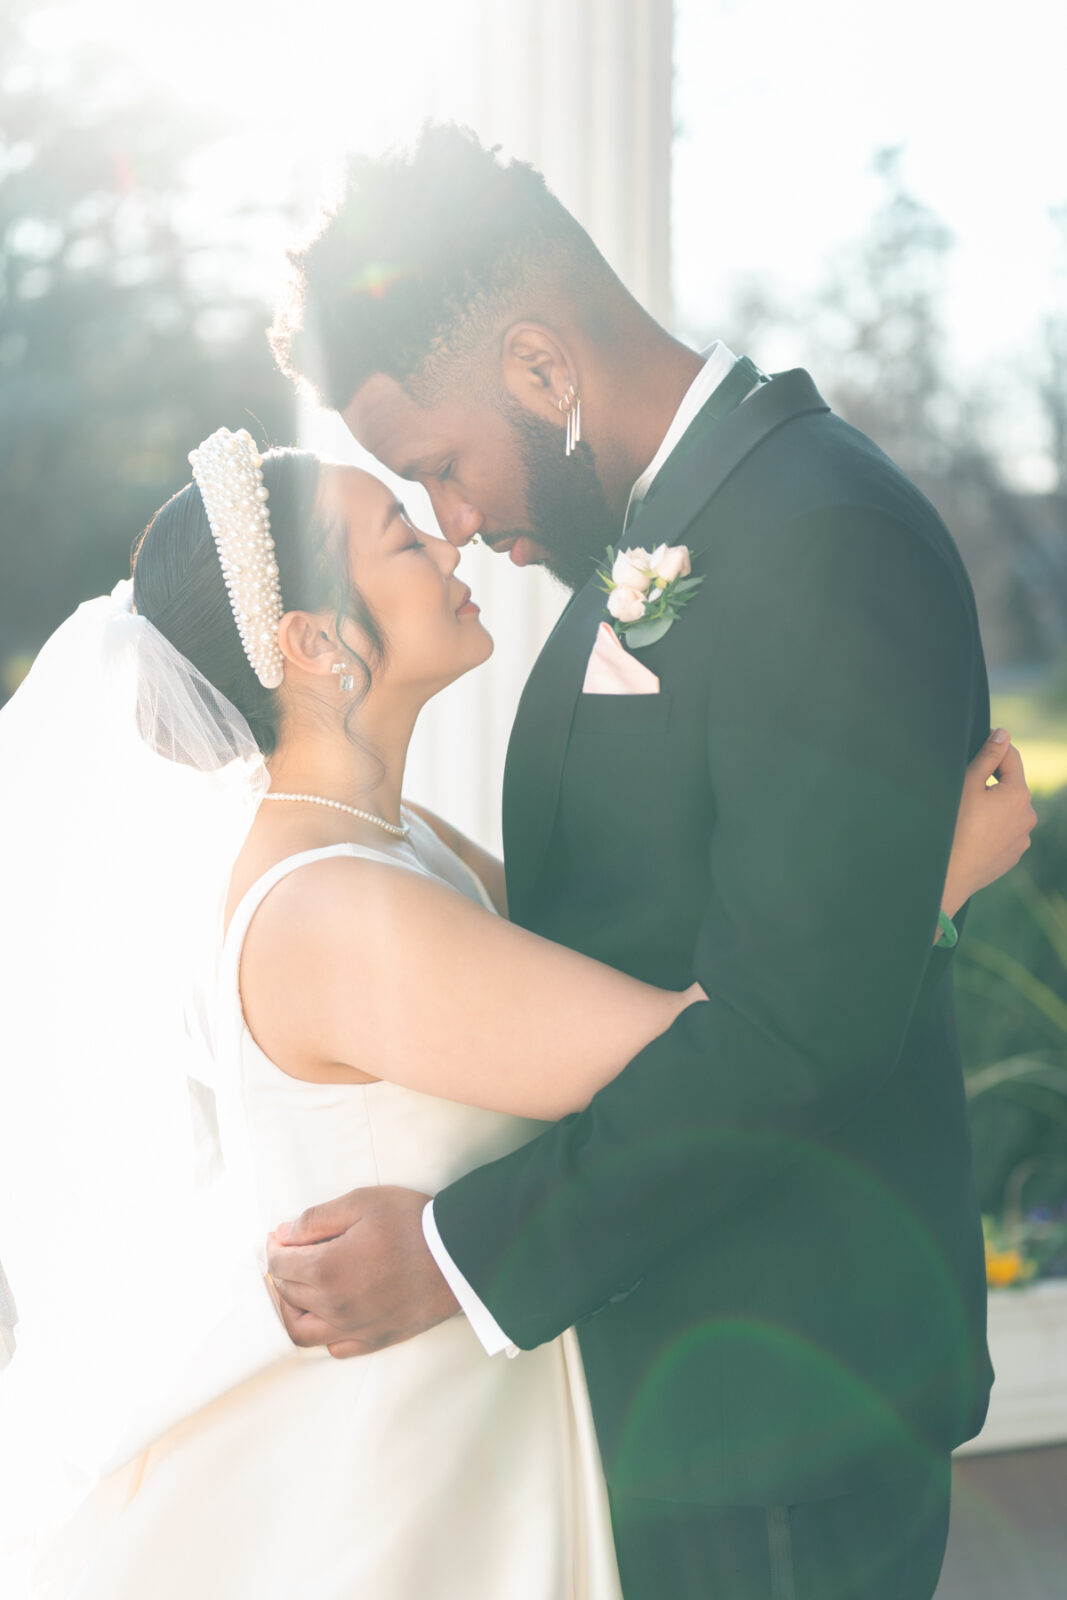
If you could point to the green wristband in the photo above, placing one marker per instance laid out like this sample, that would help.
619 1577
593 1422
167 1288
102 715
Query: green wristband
948 936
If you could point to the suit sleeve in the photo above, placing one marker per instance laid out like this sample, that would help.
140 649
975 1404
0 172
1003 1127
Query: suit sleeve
840 683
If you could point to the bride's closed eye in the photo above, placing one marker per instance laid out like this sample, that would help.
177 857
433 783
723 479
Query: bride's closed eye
414 543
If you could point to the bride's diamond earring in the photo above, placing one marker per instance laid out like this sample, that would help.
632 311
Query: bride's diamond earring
340 669
571 406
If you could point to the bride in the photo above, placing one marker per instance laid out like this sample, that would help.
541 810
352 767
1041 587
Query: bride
362 1013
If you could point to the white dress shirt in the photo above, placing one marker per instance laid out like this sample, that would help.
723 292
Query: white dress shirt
719 361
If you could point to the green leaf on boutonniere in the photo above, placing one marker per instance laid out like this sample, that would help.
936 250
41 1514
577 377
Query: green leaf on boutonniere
640 634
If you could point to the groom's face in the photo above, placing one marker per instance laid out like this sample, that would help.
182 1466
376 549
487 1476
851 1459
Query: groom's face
496 471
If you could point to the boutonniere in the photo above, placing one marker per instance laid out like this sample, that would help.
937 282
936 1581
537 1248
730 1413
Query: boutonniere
646 589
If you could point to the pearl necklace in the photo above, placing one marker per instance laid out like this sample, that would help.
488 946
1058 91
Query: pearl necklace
400 831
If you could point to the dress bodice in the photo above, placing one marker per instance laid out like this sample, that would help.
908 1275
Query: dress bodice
300 1143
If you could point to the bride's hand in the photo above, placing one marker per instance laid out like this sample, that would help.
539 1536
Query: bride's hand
994 823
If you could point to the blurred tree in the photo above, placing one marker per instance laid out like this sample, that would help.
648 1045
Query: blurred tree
1052 391
1053 383
874 337
114 357
878 328
879 325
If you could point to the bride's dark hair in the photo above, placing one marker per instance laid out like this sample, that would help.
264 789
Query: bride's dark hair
178 584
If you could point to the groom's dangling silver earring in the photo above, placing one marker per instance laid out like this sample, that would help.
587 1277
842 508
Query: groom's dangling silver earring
340 669
571 406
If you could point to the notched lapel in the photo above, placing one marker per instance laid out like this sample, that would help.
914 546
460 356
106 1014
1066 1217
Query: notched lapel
687 488
538 743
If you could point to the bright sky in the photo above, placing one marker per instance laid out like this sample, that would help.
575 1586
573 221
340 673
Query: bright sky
301 79
314 72
779 105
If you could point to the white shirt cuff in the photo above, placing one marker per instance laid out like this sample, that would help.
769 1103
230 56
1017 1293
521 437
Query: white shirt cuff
488 1330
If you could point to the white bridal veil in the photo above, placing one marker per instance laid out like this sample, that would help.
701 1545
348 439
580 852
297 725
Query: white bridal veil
127 784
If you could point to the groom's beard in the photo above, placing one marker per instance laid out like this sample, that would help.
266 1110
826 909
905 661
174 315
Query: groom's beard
569 516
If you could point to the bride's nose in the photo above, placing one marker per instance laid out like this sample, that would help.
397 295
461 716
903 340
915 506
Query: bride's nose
446 555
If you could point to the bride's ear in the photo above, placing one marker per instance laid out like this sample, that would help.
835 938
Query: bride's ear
307 643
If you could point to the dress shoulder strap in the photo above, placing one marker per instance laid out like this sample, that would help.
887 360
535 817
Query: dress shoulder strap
254 896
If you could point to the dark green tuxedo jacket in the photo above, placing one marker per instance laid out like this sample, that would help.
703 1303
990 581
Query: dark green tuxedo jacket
766 1228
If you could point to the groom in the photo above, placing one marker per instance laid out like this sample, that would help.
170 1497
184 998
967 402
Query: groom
766 1228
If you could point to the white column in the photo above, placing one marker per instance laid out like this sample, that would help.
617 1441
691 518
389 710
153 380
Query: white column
582 89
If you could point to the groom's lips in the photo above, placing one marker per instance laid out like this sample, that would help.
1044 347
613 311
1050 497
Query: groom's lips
524 552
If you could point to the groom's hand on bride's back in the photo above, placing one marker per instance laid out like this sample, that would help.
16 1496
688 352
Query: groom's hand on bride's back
355 1274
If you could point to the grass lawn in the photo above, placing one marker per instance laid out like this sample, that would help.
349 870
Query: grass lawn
1041 736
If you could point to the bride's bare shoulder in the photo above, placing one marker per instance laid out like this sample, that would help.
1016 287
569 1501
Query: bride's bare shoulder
340 932
305 943
354 898
275 838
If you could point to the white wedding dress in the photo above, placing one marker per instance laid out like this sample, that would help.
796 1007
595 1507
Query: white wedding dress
427 1471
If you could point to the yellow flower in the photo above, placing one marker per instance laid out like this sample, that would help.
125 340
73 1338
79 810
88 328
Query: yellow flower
1003 1267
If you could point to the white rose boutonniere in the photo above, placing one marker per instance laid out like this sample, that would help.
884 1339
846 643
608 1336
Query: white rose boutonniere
646 589
631 569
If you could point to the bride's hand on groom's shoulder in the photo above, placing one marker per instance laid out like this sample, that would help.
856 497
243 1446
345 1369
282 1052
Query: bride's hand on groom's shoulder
355 1274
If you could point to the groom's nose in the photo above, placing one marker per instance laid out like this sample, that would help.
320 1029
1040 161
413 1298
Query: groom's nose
458 521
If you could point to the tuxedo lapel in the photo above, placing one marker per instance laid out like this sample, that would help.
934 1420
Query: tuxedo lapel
705 457
538 743
542 727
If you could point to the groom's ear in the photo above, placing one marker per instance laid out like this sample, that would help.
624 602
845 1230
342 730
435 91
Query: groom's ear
537 368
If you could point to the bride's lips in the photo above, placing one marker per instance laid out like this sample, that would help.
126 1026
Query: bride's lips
467 607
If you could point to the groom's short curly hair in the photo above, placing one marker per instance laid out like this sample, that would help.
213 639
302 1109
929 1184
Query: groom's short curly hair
421 258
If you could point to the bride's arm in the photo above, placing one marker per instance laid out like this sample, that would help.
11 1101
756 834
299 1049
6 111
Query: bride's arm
358 965
375 968
489 868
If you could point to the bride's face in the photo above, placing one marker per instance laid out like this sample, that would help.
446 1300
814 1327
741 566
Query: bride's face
432 629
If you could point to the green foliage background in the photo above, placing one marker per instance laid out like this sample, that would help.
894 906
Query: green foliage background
1013 1013
118 352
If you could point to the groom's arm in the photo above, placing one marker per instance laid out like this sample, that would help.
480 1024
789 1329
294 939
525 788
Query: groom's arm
836 769
493 1339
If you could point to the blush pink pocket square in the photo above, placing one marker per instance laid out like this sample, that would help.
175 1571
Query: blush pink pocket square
611 668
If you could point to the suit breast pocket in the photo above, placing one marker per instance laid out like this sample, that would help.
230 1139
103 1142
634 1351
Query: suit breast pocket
619 715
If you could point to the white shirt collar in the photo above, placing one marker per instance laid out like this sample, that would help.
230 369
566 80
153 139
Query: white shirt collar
719 362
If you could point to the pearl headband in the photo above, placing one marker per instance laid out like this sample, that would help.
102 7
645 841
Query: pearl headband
228 471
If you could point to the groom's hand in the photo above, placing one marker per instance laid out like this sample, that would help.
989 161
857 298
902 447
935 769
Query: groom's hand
355 1274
